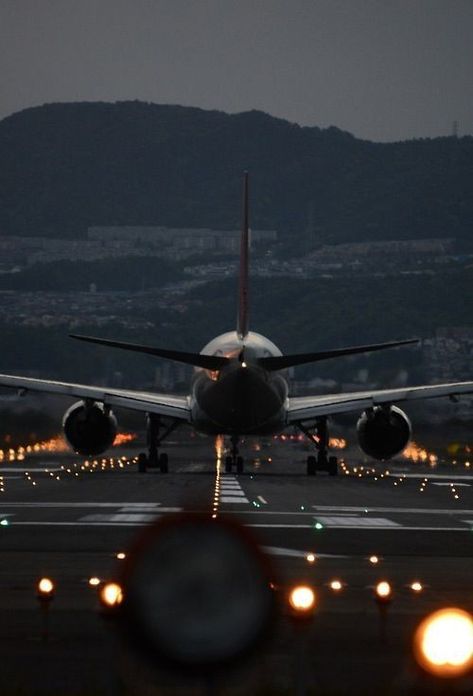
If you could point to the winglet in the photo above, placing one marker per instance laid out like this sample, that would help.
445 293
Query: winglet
242 319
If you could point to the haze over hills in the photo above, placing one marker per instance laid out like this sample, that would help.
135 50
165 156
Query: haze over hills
65 167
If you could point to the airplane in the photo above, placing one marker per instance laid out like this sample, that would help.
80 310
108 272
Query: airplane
239 388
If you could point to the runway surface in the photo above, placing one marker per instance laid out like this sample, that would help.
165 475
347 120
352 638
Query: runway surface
67 518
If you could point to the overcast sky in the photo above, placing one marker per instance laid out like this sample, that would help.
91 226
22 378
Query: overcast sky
381 69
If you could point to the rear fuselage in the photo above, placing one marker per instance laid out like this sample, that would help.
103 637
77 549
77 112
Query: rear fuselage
242 398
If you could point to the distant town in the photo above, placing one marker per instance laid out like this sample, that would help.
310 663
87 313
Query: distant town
446 356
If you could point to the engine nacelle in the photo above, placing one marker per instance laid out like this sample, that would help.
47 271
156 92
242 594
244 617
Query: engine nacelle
89 428
383 432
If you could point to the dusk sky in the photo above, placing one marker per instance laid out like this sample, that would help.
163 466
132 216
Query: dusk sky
382 69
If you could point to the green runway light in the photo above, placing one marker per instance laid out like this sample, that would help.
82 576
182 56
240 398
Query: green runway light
4 523
319 525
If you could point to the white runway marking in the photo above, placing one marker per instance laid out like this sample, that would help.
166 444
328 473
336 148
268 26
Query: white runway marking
432 477
104 519
355 522
295 553
451 483
397 510
262 500
231 491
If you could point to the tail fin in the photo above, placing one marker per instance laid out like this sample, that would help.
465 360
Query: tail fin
242 319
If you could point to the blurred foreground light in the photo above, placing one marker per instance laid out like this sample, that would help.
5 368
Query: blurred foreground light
45 587
302 599
111 595
443 643
94 581
383 590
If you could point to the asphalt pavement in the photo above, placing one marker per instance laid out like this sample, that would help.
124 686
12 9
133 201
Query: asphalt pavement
67 518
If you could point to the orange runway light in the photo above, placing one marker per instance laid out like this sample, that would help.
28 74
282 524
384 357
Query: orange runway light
443 643
45 588
416 586
383 591
302 600
110 595
336 585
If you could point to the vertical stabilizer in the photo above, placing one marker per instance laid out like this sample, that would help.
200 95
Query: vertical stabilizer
242 319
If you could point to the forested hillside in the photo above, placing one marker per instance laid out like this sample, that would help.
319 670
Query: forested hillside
64 167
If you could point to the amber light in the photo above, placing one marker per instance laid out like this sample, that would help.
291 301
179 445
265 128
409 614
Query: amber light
443 643
45 587
302 599
111 595
383 591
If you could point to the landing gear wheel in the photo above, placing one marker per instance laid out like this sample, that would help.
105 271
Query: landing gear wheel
332 466
142 462
228 465
311 465
239 465
163 463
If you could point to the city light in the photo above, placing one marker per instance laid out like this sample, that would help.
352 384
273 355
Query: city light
443 643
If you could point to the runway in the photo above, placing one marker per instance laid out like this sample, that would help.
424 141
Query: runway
67 518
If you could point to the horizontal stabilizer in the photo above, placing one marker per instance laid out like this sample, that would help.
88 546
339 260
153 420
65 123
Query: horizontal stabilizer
283 361
208 362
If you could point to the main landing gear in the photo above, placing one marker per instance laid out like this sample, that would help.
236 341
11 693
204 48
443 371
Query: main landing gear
320 462
154 459
234 460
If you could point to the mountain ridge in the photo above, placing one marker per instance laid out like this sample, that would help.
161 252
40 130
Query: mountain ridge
67 166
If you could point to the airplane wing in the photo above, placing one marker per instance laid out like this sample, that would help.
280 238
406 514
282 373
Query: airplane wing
304 408
162 404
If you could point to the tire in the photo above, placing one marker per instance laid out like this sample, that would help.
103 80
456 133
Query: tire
311 465
239 465
332 466
163 463
142 462
228 465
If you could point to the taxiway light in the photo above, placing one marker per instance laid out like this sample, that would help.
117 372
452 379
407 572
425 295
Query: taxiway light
45 587
111 595
443 643
302 599
94 581
383 590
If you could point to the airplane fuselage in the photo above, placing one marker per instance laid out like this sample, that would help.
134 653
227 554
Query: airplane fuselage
242 398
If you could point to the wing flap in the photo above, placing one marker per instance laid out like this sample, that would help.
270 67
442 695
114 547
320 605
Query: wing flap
149 402
308 407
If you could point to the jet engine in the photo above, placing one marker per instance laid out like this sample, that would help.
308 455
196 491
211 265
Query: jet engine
383 431
89 428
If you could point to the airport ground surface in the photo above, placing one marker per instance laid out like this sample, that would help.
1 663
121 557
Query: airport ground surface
66 520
